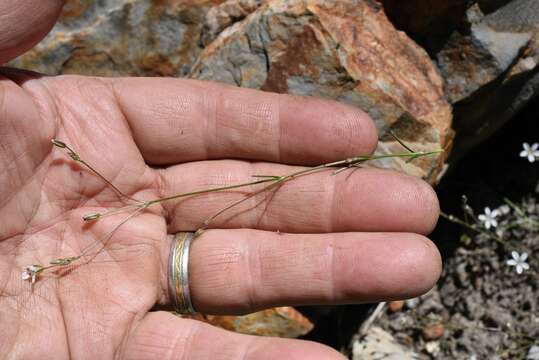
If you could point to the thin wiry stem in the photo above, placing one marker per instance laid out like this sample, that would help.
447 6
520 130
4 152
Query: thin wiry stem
273 181
103 240
475 228
76 157
207 191
110 233
273 178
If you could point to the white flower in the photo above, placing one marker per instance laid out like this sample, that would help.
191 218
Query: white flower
432 347
533 353
489 218
519 261
530 152
31 272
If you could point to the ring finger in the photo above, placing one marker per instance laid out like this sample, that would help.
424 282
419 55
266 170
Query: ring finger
240 271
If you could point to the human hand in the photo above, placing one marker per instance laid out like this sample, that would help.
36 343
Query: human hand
347 238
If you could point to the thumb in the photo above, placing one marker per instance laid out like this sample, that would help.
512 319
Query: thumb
24 23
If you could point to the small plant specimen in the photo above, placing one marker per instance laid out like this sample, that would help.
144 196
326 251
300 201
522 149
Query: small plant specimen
134 207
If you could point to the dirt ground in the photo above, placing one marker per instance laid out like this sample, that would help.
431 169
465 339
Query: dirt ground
482 308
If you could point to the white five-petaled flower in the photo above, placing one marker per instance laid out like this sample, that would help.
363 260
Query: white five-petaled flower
30 273
530 151
518 261
489 218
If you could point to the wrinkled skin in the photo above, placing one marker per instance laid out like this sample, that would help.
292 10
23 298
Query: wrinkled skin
354 237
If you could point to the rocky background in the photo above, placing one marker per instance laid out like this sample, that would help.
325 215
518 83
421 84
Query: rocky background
424 69
416 66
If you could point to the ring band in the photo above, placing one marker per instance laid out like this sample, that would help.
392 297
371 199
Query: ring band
178 277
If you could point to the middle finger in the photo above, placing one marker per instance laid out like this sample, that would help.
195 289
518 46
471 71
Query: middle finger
358 200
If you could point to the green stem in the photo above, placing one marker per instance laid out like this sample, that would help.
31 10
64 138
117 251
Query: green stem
75 156
200 192
272 179
458 221
279 179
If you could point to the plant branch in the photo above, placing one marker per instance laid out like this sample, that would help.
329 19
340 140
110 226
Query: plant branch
475 228
75 156
272 181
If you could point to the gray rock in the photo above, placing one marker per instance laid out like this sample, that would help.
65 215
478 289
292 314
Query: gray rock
330 50
121 38
303 47
491 69
379 344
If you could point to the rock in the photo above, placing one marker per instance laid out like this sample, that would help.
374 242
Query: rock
395 306
283 322
412 303
122 38
132 37
379 344
354 55
347 51
492 47
491 68
432 347
226 14
433 331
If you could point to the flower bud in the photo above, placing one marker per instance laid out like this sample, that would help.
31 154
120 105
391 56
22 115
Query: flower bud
91 216
59 143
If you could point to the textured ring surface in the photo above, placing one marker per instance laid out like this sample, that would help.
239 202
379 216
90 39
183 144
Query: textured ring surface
178 276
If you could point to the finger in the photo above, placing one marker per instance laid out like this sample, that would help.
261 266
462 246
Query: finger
241 271
360 200
24 23
24 143
183 120
161 335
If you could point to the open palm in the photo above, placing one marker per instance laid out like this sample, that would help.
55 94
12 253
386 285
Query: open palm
340 239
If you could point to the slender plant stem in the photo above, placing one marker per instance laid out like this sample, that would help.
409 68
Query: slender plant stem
103 240
279 179
272 181
206 191
76 157
458 221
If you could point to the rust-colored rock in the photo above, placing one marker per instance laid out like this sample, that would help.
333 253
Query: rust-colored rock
121 38
347 51
280 322
132 37
395 306
343 50
226 14
433 331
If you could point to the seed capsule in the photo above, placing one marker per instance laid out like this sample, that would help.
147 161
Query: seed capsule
59 143
91 216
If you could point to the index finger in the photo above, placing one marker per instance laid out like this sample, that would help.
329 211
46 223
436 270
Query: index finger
176 120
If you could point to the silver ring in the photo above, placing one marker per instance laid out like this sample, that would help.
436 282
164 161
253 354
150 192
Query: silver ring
178 277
